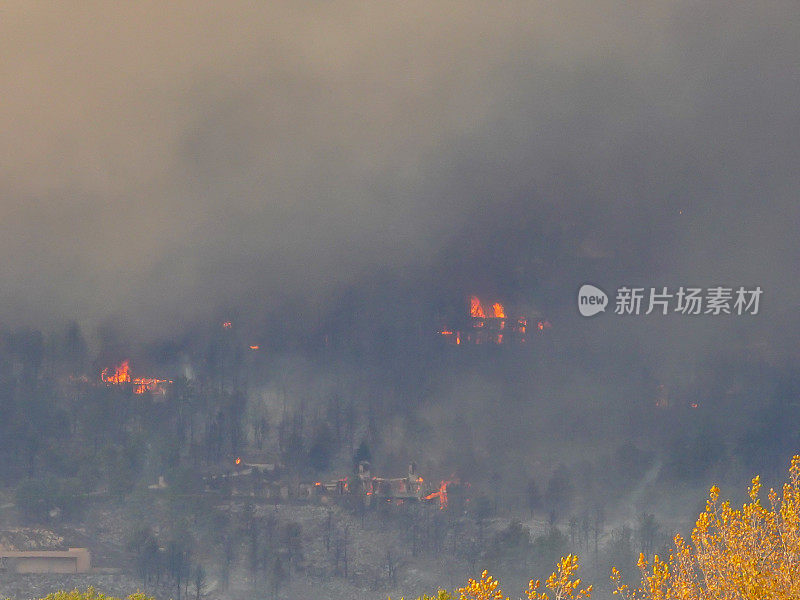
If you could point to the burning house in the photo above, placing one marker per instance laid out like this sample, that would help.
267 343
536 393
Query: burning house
399 489
488 324
121 375
396 490
268 481
445 492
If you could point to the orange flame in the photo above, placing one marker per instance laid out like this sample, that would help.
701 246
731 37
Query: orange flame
121 374
254 347
499 311
491 324
475 308
441 494
238 460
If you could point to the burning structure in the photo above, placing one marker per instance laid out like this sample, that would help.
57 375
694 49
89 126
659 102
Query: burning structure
121 375
397 490
445 488
488 324
269 482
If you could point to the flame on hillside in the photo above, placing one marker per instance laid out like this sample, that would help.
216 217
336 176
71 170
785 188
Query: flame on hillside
499 311
121 374
475 307
441 493
492 326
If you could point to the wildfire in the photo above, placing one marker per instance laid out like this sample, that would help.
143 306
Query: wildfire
489 323
238 460
441 493
499 311
256 347
475 307
122 375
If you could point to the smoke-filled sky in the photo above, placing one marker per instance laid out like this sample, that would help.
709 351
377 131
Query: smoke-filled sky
159 162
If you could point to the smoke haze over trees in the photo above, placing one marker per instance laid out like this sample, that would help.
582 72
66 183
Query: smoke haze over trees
278 208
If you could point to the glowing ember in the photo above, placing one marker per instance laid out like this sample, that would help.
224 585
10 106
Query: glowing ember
238 460
148 384
254 347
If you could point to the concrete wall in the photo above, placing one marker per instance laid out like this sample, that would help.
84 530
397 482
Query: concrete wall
74 560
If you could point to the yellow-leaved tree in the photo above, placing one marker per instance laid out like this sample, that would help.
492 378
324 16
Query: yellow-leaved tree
561 584
92 594
752 553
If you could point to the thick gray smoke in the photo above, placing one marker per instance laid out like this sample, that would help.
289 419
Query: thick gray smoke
162 162
334 179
